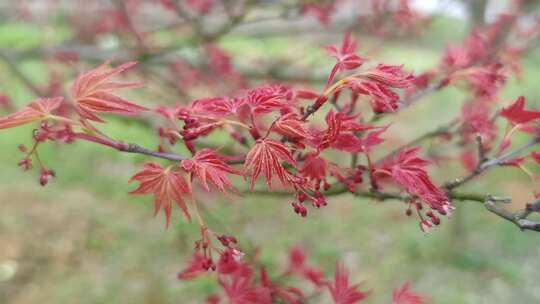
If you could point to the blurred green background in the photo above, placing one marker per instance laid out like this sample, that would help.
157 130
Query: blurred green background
82 239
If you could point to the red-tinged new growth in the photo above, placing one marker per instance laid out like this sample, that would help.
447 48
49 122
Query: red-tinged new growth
265 157
519 118
516 113
167 185
208 166
38 110
404 295
408 170
92 93
341 291
291 126
346 56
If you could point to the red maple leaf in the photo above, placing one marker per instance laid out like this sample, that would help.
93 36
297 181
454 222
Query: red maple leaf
290 125
216 106
390 75
265 157
268 98
196 266
404 295
167 185
383 98
516 113
37 110
340 290
298 265
408 170
210 167
240 290
92 93
345 56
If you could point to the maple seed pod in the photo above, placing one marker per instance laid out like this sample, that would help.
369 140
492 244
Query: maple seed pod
25 164
22 148
223 240
45 176
426 226
408 212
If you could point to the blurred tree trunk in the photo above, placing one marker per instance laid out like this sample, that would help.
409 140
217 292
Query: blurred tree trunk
477 11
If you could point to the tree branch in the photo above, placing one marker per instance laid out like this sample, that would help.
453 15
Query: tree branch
484 165
518 218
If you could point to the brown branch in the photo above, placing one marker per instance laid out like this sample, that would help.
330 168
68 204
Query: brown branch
137 149
518 218
485 164
378 195
129 147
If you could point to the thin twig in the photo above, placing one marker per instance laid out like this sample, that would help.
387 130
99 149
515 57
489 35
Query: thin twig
487 164
518 218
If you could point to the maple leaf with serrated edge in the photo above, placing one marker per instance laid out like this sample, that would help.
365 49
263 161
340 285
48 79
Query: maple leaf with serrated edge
516 113
240 290
195 267
404 295
390 75
408 170
167 185
265 157
340 290
290 125
268 98
208 166
216 106
37 110
92 93
345 56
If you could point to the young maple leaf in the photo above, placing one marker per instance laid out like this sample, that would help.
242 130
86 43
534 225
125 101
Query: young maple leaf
240 290
196 266
345 56
268 98
92 93
390 75
216 106
407 169
37 110
167 185
383 98
404 295
210 167
516 113
265 157
290 125
340 290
